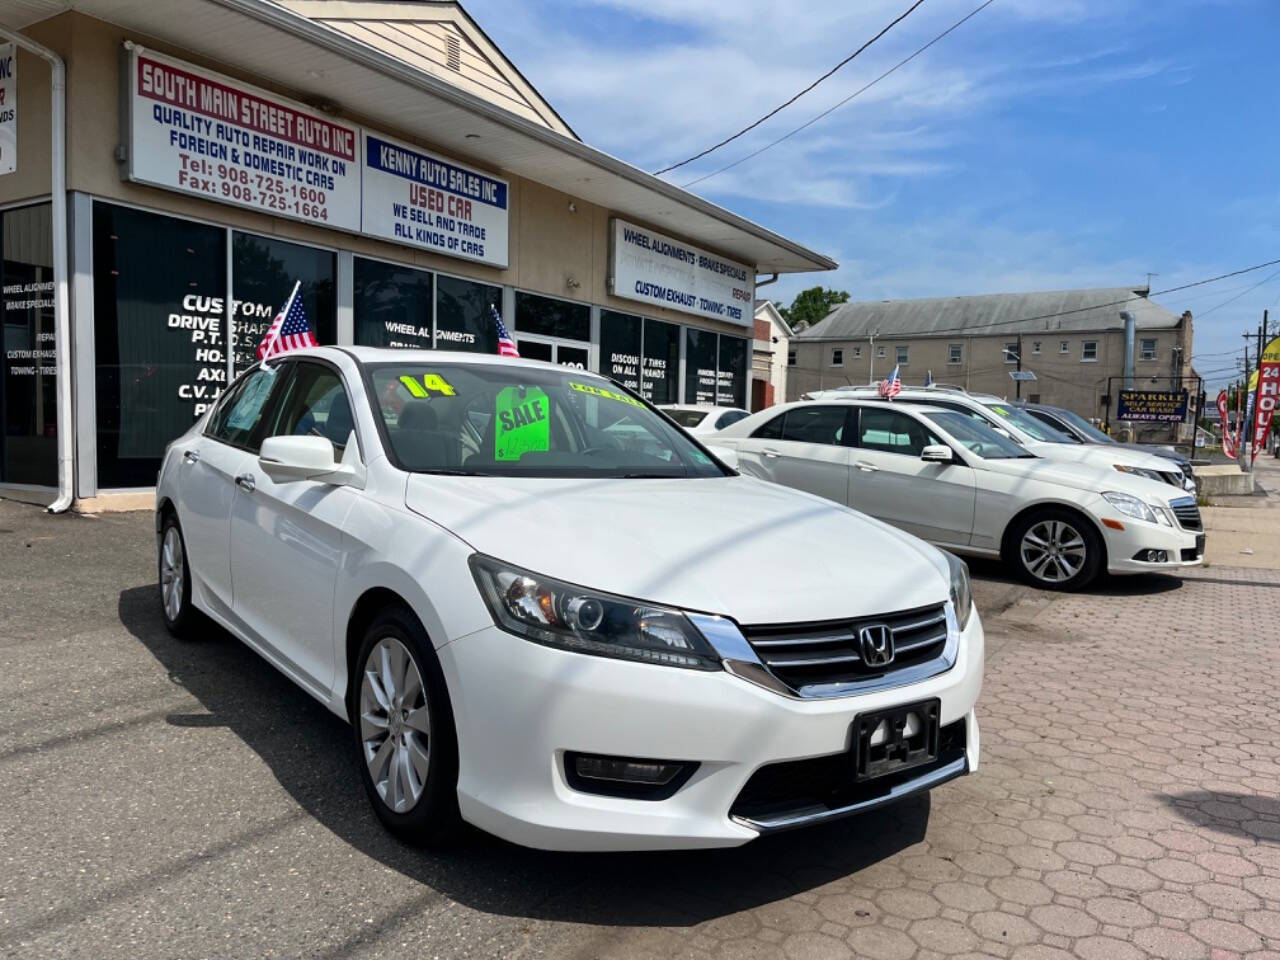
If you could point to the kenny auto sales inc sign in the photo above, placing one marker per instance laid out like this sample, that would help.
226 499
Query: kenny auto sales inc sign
204 134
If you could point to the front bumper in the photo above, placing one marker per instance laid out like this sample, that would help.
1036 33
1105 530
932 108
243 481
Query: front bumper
519 707
1184 548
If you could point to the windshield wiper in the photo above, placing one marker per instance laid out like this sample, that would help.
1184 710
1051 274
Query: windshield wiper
445 472
654 476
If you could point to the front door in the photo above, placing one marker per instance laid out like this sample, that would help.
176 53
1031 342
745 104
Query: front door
935 501
566 353
286 538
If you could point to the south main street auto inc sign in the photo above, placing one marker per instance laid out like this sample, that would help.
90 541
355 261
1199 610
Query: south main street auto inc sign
653 268
203 134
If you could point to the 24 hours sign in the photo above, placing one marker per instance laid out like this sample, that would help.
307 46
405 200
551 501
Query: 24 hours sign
203 134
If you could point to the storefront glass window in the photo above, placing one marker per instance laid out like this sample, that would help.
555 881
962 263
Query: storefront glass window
700 357
159 337
464 315
392 305
661 370
28 384
731 377
620 347
263 272
552 318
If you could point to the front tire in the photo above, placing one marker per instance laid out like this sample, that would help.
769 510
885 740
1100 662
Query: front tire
175 579
402 719
1056 550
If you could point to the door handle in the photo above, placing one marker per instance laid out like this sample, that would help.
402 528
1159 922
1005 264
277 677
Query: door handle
771 453
190 456
246 482
865 467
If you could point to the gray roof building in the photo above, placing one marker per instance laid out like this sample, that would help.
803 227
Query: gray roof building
994 314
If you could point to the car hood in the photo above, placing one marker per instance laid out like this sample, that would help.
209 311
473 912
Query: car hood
1105 455
734 546
1086 477
1156 451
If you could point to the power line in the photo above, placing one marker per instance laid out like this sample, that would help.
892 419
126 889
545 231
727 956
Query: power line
1233 299
857 93
1113 303
782 106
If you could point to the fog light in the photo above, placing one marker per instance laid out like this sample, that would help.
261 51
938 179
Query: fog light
1152 556
626 776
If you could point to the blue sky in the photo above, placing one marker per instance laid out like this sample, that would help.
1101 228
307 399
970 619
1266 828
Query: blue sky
1045 144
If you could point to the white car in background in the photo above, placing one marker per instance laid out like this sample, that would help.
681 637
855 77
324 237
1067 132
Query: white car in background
537 624
952 480
1028 431
699 418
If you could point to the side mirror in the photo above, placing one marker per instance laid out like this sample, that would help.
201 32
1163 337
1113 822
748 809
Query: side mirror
286 459
937 453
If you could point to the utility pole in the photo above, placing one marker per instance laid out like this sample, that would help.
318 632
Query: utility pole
1257 393
1018 380
1242 404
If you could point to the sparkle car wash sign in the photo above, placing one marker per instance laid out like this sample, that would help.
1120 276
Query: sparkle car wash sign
417 198
1155 406
653 268
203 134
8 108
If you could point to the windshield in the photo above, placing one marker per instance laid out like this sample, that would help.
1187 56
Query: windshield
514 421
686 418
1084 426
976 436
1033 428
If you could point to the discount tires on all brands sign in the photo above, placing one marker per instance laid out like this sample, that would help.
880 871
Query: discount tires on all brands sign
203 134
653 268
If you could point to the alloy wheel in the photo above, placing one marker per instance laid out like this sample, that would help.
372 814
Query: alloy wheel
1053 551
395 727
173 573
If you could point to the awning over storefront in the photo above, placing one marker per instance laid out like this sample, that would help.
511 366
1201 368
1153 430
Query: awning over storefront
314 59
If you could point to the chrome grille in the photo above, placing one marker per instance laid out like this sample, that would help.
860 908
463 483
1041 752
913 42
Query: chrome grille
1187 512
806 654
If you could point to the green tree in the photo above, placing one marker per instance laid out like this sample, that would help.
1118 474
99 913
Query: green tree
812 305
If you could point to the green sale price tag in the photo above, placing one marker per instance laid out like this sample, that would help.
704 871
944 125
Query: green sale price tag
523 423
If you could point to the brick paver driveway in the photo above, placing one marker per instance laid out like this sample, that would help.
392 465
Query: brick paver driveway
181 800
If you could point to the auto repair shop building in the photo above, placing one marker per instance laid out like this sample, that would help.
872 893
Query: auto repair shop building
385 156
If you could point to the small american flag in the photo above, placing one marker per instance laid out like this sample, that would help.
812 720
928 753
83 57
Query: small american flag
506 346
290 330
891 385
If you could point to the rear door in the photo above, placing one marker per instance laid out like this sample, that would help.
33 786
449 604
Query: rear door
286 538
888 480
804 448
209 466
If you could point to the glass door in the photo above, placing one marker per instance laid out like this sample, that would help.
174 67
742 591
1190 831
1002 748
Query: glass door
567 353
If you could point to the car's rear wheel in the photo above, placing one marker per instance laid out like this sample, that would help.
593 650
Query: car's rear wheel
174 577
404 732
1057 550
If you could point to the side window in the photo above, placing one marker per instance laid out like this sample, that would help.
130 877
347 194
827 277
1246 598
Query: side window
893 432
815 425
238 417
771 430
315 405
730 418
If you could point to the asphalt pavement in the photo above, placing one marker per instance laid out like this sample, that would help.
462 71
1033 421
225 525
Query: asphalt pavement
181 799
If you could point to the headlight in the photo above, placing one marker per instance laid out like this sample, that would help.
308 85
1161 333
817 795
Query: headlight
574 618
961 591
1130 506
1140 472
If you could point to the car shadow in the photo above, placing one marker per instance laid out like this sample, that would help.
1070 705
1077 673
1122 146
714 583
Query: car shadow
1136 585
309 752
1253 817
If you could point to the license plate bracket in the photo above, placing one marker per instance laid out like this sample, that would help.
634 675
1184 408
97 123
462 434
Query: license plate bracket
905 736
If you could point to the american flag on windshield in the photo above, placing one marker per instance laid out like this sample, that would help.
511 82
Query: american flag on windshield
891 385
506 346
290 330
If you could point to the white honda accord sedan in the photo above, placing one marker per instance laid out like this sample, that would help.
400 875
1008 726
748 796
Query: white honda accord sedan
537 624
